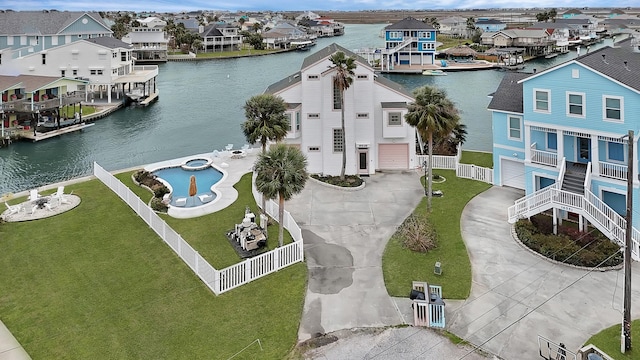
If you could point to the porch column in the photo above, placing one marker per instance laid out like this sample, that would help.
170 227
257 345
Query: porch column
560 146
555 221
527 143
595 155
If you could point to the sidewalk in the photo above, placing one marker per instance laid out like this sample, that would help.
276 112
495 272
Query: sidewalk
10 348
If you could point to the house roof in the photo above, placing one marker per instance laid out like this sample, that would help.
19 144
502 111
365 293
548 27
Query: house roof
328 51
9 82
42 22
393 85
574 21
620 63
548 25
572 11
30 83
489 22
283 84
508 96
523 33
109 42
409 23
460 50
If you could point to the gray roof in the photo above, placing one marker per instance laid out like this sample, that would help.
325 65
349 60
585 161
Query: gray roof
574 21
409 23
283 84
508 96
393 85
328 51
110 42
41 22
549 25
620 63
572 11
488 22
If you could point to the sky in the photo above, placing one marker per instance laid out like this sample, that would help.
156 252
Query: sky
298 5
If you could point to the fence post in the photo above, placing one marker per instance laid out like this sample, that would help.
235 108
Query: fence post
247 270
216 281
276 259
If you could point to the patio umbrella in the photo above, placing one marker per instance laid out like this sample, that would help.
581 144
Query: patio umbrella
193 189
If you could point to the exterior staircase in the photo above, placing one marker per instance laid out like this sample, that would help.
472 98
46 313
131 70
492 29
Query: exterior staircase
574 180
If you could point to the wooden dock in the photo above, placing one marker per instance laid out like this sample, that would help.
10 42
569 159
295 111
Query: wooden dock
39 136
149 99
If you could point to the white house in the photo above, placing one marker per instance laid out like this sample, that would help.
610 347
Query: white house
377 136
106 62
149 40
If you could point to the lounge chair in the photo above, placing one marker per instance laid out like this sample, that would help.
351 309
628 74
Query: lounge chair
13 209
33 195
181 201
229 147
205 197
216 153
245 147
60 196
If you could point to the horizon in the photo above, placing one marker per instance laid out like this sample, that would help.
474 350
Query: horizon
162 6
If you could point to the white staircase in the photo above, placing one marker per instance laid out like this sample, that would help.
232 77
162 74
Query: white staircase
401 46
599 214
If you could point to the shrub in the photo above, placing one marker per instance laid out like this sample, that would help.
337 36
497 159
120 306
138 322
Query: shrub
158 205
570 246
349 180
159 190
418 235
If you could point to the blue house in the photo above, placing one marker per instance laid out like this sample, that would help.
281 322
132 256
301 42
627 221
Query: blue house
409 42
490 25
559 135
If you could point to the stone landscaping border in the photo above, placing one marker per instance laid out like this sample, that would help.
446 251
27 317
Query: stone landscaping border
336 187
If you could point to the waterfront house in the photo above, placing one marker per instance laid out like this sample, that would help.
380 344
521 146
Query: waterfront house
559 135
490 25
409 42
582 28
281 36
220 37
149 40
571 13
534 41
377 136
105 62
453 25
558 33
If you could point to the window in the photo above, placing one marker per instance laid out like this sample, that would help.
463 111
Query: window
575 104
338 141
288 115
123 56
395 119
362 115
44 59
79 36
102 56
541 100
75 72
63 73
0 59
515 128
297 121
313 148
362 77
337 104
395 34
114 55
96 72
615 151
313 116
575 73
612 108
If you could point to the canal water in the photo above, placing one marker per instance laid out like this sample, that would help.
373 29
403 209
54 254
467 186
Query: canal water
200 110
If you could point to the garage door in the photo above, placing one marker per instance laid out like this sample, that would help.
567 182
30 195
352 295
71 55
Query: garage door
512 174
393 156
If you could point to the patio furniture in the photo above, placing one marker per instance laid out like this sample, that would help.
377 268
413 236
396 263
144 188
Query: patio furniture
59 195
229 147
13 209
33 195
205 197
181 201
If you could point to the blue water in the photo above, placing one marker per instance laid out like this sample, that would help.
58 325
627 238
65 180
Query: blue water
179 179
200 110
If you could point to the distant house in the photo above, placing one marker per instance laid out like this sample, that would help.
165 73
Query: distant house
582 27
453 25
220 37
281 35
534 41
149 40
560 33
490 25
377 136
563 130
322 27
571 13
409 42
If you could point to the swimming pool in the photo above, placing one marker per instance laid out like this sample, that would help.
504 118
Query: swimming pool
177 180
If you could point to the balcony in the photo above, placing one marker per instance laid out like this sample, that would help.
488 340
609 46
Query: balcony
612 171
25 105
544 157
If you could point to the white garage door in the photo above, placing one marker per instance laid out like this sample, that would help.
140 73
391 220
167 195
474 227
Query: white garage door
393 156
512 174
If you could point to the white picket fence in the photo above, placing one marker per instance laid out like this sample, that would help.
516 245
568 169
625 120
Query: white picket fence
466 171
219 281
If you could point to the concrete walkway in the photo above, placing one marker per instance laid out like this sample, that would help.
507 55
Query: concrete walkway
10 348
517 295
345 235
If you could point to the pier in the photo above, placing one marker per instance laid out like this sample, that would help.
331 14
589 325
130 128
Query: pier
39 136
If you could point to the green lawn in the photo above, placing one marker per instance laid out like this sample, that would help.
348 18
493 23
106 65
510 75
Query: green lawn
483 159
401 266
96 282
450 41
608 340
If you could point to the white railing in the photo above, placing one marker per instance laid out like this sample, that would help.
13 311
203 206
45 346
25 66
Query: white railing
469 171
563 170
587 179
219 281
544 157
590 206
614 171
439 161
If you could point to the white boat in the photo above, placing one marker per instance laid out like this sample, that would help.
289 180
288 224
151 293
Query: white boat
434 72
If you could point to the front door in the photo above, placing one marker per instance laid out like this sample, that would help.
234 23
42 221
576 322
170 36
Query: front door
363 162
584 150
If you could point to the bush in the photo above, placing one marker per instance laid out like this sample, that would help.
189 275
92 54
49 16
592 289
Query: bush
158 188
417 235
158 205
570 246
349 180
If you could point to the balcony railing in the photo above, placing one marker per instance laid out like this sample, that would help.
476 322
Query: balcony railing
544 157
25 105
613 171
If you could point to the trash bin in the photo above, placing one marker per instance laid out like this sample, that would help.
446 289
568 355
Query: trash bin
416 295
435 299
594 356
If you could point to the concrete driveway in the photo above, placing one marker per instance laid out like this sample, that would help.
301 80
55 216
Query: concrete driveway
345 235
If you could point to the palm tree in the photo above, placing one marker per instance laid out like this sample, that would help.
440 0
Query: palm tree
281 173
265 121
342 80
432 114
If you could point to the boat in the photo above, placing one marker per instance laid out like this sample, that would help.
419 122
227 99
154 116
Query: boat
434 72
551 56
49 123
303 48
511 67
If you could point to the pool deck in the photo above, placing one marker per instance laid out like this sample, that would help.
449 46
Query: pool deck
233 168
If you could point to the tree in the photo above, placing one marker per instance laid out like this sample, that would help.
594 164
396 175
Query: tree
265 121
433 21
432 114
342 80
471 26
543 16
553 13
281 173
448 145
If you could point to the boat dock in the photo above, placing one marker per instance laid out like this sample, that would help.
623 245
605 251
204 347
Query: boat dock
39 136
